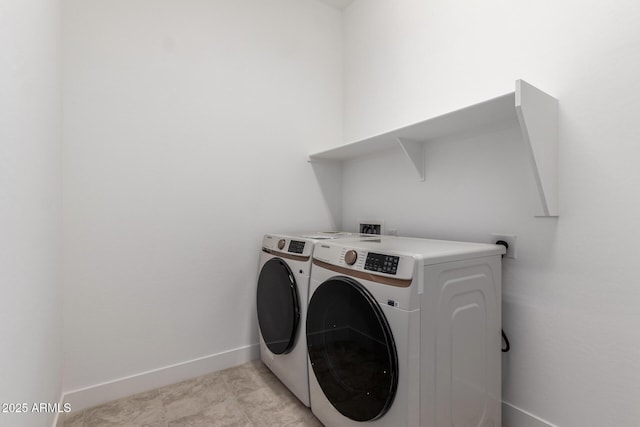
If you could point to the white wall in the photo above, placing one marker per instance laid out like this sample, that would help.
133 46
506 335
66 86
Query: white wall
187 128
571 297
30 202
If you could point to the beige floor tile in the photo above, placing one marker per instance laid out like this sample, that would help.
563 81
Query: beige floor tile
143 409
265 407
244 396
73 420
260 367
311 421
246 378
193 396
227 413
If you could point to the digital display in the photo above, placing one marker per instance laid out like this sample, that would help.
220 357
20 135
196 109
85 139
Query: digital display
296 246
382 263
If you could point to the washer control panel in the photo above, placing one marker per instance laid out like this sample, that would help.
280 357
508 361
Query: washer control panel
381 263
385 262
286 245
296 246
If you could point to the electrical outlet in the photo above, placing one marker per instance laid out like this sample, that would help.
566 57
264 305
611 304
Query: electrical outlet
510 239
370 227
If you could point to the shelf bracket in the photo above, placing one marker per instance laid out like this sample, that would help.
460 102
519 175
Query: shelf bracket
538 117
415 153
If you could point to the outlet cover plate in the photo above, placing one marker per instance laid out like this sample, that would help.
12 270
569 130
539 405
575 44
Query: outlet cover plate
373 226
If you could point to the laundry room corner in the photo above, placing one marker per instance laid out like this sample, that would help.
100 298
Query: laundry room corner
187 125
385 213
31 354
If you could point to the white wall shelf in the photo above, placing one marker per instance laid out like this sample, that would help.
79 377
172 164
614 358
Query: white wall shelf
534 111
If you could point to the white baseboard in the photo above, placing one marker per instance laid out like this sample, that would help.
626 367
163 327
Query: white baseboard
512 416
84 398
101 393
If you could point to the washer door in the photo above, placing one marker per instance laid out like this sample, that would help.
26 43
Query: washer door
278 306
351 349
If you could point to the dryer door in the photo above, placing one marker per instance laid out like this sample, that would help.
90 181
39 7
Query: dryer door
278 306
351 349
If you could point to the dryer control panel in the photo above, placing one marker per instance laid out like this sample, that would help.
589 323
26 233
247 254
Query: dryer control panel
285 245
381 263
296 246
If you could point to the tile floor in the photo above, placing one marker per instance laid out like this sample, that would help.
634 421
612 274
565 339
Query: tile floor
248 395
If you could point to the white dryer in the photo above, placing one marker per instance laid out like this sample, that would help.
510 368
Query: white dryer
405 332
282 296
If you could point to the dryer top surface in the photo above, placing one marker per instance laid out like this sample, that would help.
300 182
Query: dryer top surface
428 250
316 236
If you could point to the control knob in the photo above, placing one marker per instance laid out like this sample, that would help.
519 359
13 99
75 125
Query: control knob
281 243
350 257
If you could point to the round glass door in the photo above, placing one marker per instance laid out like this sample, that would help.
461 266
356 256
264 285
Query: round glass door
278 306
351 349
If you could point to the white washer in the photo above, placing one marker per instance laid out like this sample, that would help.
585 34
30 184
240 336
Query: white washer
282 296
405 332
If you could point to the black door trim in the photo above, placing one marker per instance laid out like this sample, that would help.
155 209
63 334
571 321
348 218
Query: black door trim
278 306
351 348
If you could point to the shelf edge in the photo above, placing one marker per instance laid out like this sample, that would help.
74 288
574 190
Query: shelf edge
415 153
388 140
537 114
